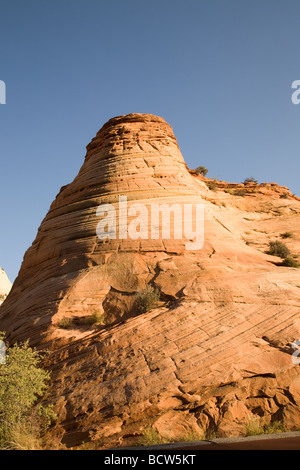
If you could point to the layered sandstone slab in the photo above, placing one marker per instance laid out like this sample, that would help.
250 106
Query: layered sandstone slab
216 351
69 271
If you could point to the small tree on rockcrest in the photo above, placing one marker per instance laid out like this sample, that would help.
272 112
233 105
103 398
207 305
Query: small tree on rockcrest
250 180
201 170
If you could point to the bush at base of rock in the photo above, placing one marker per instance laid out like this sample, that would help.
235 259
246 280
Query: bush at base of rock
146 300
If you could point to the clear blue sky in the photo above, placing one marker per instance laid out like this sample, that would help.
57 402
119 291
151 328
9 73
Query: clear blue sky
219 71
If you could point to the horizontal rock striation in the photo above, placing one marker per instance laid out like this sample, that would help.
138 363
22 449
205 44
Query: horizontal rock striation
69 271
216 350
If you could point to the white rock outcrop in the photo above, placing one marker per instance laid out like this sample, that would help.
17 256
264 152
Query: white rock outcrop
5 285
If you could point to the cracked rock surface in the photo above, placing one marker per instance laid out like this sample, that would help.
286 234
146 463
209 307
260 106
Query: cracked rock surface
216 350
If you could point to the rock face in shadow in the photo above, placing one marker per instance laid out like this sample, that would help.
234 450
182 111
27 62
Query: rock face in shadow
214 353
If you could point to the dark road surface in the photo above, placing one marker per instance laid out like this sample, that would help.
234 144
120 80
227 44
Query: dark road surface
253 443
282 441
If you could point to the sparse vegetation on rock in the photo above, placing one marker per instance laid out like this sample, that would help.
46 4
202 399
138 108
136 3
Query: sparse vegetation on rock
277 248
65 323
240 192
254 427
290 262
250 180
146 299
229 191
201 170
212 185
151 437
95 318
287 235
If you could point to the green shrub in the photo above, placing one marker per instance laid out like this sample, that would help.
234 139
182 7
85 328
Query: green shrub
191 437
201 170
287 235
250 180
210 434
277 248
290 262
151 437
239 192
146 299
229 191
95 319
212 185
65 322
275 427
253 426
22 382
284 196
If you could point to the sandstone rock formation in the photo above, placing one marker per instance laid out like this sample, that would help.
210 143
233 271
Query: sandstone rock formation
215 352
5 285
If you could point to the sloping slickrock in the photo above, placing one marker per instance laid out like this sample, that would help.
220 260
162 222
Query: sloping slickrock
215 352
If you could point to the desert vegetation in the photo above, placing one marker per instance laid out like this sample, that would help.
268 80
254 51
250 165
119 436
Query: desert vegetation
277 248
146 300
250 180
23 382
239 192
212 185
229 191
65 323
235 192
287 235
201 170
254 427
150 436
95 318
290 262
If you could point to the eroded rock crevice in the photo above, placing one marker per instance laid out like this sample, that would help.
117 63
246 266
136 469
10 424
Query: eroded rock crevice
214 352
